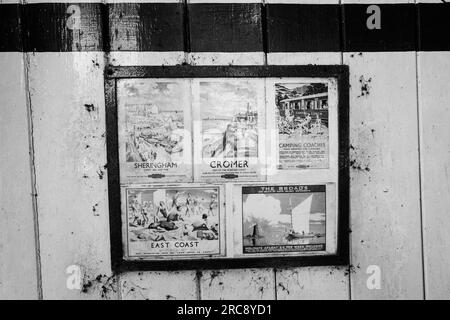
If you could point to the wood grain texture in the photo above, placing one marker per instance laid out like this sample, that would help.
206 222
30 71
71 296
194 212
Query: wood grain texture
48 27
225 27
146 26
303 27
238 284
395 34
67 100
154 58
175 285
385 208
10 31
18 271
302 57
433 21
134 31
70 159
225 58
434 112
313 283
310 283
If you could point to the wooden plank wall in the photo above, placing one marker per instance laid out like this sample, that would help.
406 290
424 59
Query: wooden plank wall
291 40
385 189
18 265
66 96
434 118
52 103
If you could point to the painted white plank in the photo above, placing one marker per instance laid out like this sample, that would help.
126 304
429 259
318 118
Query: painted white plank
313 283
18 272
154 285
67 101
237 284
174 285
318 282
434 113
385 208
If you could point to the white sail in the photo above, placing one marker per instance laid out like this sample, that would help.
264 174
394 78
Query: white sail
300 216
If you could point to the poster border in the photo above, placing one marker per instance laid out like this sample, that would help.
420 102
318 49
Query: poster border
340 72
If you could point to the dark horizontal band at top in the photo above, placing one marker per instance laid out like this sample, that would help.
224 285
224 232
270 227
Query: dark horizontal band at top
223 27
185 71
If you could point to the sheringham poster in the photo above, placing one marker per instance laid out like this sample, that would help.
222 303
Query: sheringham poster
154 125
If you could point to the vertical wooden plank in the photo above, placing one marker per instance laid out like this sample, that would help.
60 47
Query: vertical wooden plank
315 282
150 32
237 284
10 33
225 27
157 32
385 207
67 103
155 26
303 32
434 119
134 39
18 272
66 94
62 27
223 32
435 166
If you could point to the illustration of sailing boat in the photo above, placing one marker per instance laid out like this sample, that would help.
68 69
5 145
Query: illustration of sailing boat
300 220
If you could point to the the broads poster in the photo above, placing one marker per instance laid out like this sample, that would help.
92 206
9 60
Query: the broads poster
154 123
301 122
283 218
229 129
174 221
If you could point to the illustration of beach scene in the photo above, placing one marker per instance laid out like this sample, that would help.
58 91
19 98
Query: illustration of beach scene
154 122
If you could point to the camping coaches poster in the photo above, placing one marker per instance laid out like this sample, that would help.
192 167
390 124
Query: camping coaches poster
176 221
283 218
302 126
154 125
229 130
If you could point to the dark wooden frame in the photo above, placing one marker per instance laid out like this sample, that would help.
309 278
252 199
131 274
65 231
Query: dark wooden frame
340 72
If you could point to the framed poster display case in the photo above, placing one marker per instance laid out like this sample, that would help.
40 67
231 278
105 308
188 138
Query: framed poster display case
227 167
